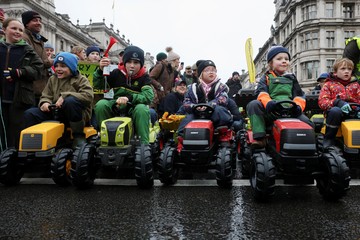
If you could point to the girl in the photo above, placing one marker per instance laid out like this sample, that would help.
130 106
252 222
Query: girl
275 85
19 67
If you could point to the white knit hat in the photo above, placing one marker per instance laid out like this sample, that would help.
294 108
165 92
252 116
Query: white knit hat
171 54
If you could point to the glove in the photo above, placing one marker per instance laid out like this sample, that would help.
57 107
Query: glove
346 108
297 111
11 74
270 106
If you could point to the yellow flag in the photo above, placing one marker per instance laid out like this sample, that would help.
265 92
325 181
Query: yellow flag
249 60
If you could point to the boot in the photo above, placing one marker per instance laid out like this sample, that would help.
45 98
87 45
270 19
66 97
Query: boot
329 137
78 133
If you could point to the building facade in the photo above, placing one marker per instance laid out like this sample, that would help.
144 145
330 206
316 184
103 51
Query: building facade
314 31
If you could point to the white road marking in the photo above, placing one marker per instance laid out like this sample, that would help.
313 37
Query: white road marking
179 183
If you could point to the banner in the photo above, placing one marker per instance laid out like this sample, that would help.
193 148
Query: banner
249 60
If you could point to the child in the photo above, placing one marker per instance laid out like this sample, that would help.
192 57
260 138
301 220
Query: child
19 67
275 85
93 54
336 94
72 94
130 84
209 90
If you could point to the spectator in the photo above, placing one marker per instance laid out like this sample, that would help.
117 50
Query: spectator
174 100
131 84
93 54
121 54
352 52
321 81
19 67
188 76
50 50
194 73
33 25
70 92
79 52
234 85
275 85
336 94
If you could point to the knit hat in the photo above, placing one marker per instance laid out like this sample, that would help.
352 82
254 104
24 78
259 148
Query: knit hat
161 56
135 53
69 59
275 50
322 76
171 54
178 82
235 73
202 64
91 49
28 16
49 45
194 67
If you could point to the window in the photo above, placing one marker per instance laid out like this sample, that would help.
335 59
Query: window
329 65
309 12
348 10
349 34
311 41
329 9
311 69
330 38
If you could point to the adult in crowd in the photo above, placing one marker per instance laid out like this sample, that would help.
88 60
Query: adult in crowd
79 52
188 76
321 81
194 73
234 85
20 65
174 100
33 26
352 52
93 54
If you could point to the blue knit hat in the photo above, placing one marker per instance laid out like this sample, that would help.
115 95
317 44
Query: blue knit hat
69 59
91 49
275 50
135 53
322 76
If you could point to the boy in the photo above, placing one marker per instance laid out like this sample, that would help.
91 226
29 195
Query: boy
338 91
70 92
130 83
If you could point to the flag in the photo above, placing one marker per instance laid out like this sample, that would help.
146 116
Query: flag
249 60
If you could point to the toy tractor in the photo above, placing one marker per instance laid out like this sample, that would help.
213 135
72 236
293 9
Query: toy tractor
46 145
203 148
292 154
118 148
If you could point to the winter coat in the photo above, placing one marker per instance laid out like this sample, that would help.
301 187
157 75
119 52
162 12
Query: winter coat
171 103
285 87
19 56
333 93
195 95
352 51
76 86
162 75
234 87
136 88
38 45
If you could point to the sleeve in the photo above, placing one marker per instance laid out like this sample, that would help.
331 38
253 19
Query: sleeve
262 91
32 66
155 75
189 99
48 93
145 96
98 80
325 101
298 93
221 96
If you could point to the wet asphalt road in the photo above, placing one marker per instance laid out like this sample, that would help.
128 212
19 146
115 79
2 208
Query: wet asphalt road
192 210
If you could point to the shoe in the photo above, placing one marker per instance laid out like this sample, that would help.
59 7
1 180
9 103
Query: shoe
259 143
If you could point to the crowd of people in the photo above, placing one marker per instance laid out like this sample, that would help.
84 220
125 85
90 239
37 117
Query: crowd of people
34 77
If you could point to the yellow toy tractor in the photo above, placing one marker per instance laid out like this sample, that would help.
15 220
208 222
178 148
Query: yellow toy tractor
46 145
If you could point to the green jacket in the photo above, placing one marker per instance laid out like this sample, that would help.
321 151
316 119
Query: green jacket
137 88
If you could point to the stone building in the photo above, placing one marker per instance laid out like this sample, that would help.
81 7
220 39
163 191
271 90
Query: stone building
63 34
314 31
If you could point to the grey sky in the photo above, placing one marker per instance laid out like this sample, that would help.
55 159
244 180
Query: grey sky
196 29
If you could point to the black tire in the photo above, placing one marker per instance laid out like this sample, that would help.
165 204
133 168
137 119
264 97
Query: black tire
262 176
224 169
60 167
334 184
83 166
144 172
10 171
168 172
